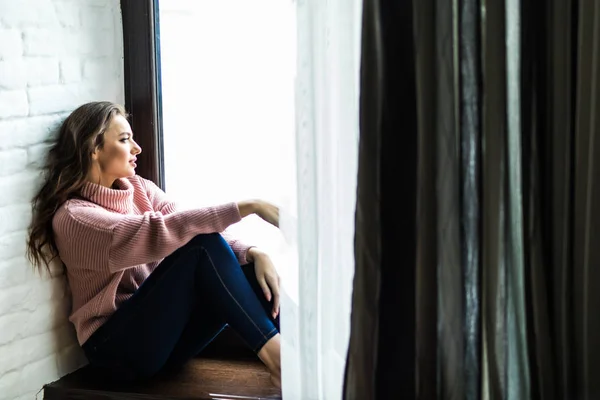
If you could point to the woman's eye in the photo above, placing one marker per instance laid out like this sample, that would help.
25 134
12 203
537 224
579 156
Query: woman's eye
125 140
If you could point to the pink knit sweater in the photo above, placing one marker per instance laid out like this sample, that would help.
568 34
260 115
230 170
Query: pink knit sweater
111 239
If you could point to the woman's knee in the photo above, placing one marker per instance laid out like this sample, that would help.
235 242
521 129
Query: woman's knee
208 239
214 244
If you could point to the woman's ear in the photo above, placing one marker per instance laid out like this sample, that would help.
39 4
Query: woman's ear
95 153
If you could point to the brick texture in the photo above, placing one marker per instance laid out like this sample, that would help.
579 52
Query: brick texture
54 56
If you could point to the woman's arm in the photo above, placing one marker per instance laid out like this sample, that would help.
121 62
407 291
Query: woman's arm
130 240
161 202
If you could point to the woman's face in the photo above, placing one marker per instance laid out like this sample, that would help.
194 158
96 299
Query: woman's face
117 157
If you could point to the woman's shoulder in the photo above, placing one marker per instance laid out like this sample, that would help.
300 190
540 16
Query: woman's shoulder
82 213
74 206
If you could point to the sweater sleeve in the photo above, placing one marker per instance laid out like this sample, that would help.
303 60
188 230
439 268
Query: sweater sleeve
161 202
141 239
240 249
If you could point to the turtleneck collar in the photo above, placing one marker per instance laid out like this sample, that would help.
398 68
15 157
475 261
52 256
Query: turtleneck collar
119 200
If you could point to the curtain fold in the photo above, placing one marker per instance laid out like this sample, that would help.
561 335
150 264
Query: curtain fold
399 135
451 346
563 181
517 368
557 171
586 274
469 128
385 240
362 356
493 279
426 284
545 86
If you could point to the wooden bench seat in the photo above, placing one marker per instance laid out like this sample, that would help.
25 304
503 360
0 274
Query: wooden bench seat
223 371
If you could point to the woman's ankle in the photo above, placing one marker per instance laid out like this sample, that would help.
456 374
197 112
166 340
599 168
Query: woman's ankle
270 354
276 380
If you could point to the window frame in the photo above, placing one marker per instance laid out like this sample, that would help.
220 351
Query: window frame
143 100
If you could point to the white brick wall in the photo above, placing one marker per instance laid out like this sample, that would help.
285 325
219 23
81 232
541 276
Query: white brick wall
54 56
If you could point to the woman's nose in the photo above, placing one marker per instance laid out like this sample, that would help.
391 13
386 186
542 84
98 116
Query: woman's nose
137 149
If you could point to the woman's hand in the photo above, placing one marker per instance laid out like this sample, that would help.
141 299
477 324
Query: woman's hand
267 276
269 212
263 209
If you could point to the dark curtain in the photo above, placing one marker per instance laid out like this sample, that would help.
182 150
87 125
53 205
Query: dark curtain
477 232
561 86
383 314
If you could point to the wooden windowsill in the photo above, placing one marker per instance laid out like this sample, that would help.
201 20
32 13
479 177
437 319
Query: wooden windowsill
223 371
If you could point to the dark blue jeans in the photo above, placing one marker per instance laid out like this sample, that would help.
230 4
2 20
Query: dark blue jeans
179 309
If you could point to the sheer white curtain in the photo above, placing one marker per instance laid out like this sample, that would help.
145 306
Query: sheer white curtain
317 296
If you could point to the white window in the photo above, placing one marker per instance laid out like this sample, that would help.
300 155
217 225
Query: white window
260 100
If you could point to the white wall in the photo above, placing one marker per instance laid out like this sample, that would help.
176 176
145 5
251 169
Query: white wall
54 56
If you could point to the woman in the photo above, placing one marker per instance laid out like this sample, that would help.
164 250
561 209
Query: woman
151 285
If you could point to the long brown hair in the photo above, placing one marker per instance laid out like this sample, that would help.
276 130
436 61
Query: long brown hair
65 172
